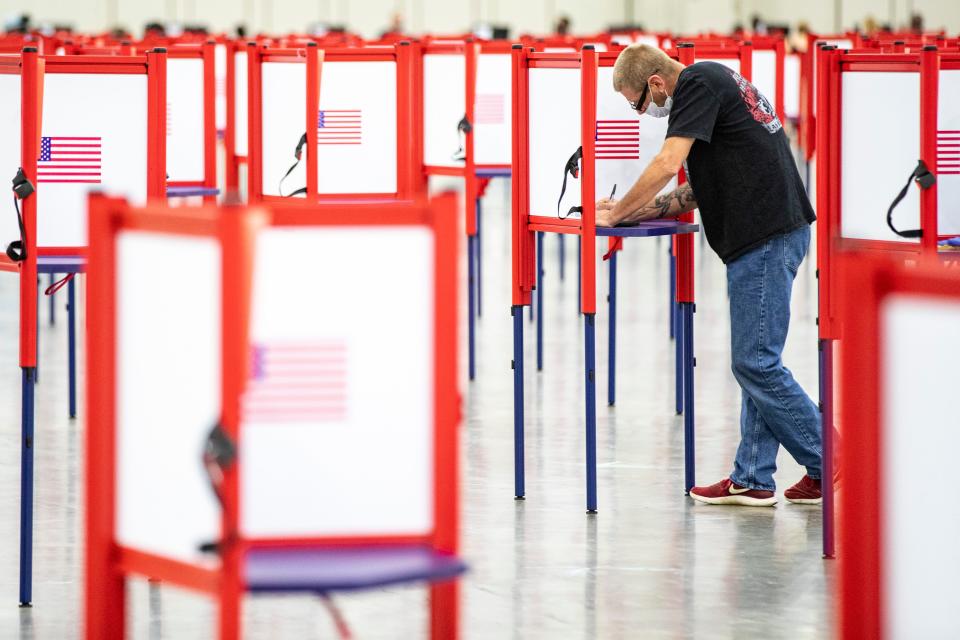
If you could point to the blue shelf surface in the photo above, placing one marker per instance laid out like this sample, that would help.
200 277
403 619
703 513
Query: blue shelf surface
328 569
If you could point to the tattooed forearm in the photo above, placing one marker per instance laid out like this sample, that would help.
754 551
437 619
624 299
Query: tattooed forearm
670 204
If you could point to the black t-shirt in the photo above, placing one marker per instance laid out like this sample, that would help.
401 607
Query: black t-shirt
740 166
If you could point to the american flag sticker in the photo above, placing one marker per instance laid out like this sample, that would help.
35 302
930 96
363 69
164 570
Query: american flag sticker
66 159
339 126
617 140
488 108
297 383
948 152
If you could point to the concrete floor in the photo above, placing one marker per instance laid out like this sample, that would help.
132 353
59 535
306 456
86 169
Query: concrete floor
651 564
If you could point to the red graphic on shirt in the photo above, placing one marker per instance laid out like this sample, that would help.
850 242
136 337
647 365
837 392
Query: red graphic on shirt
758 106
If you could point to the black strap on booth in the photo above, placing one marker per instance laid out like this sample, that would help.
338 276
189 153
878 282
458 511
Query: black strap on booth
922 176
463 127
22 189
298 154
572 167
219 453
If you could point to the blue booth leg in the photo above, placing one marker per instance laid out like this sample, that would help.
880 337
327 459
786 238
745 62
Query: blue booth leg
678 359
518 473
590 389
562 255
540 301
689 362
612 333
579 275
826 425
53 303
672 291
72 346
471 319
479 260
26 489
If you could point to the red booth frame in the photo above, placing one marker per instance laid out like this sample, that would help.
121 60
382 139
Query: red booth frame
34 70
868 280
830 65
204 52
525 225
232 159
108 562
313 57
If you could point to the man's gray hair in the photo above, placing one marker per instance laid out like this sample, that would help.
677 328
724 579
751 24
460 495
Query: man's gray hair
636 64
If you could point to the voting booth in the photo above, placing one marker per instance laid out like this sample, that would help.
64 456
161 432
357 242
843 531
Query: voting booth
899 545
858 204
240 486
492 133
576 140
78 124
191 129
354 118
449 111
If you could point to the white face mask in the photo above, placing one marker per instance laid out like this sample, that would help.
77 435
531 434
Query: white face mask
659 112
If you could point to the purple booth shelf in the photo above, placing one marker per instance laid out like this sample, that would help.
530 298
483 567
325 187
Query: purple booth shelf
328 569
187 192
649 229
61 264
493 172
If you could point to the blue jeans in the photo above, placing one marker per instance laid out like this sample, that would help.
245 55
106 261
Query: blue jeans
775 409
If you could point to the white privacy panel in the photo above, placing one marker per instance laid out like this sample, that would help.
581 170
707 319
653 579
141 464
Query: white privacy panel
337 435
357 128
791 86
220 80
10 115
625 142
240 101
554 108
948 153
444 105
168 391
283 98
764 74
921 348
94 139
185 119
732 63
870 180
492 126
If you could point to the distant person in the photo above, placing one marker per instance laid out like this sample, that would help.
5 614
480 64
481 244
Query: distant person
154 30
798 40
741 175
563 26
916 23
758 25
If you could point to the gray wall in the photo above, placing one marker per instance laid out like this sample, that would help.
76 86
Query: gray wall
370 16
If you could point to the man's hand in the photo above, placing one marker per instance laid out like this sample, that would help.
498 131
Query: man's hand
605 213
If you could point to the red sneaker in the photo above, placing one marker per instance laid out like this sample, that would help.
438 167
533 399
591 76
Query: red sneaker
807 491
727 492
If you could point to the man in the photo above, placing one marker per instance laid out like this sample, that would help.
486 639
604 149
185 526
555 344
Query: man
756 215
